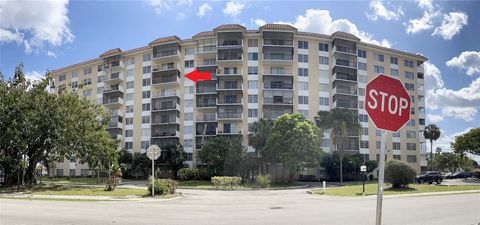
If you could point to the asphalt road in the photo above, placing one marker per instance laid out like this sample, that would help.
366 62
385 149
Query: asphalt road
248 207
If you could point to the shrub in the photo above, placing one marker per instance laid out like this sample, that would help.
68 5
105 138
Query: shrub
205 173
263 181
163 186
477 174
187 174
399 173
223 182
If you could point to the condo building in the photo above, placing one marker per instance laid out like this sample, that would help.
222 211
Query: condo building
256 74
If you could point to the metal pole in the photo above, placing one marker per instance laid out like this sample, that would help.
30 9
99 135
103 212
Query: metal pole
363 178
153 178
381 172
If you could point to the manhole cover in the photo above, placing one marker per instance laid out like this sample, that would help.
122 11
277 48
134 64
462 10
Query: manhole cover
276 207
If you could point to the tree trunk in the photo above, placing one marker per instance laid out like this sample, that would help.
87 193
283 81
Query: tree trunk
29 175
290 176
431 154
98 176
341 166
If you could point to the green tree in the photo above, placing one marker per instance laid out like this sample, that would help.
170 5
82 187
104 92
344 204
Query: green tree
432 133
38 126
261 130
175 158
399 173
340 121
446 161
141 164
468 142
294 142
225 154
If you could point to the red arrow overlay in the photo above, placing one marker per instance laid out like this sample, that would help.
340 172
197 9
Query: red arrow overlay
196 76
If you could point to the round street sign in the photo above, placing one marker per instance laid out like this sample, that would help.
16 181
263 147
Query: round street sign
153 152
387 103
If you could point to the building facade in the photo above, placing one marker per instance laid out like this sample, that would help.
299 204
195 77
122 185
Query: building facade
256 74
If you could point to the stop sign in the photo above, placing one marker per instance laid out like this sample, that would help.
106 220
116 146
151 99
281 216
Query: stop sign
387 103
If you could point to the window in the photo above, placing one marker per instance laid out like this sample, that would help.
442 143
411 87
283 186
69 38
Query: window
130 73
361 91
303 86
130 96
324 101
145 132
411 134
378 57
145 144
411 146
99 90
304 113
397 157
188 103
187 143
74 84
100 68
378 69
252 70
252 112
146 107
189 89
396 134
412 98
146 94
362 79
378 144
322 60
87 71
394 72
99 79
189 51
253 56
325 143
323 47
303 44
420 75
323 74
412 111
361 104
409 75
252 98
393 60
362 53
252 84
74 74
362 66
363 117
129 145
188 129
252 42
302 58
62 77
188 116
303 72
364 130
408 63
323 87
130 61
396 145
147 69
378 132
87 93
410 87
129 109
129 84
145 119
189 63
147 57
303 100
128 133
411 158
363 144
129 121
146 82
411 123
87 81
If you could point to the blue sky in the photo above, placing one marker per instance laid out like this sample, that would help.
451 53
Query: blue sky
48 35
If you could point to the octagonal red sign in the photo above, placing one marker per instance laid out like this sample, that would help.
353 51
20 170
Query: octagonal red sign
387 103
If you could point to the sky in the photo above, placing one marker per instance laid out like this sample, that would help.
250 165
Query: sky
45 35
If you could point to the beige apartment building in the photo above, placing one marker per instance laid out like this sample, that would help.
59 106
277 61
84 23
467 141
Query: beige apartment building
256 74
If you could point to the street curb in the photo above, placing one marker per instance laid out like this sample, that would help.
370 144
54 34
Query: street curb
400 195
247 189
88 198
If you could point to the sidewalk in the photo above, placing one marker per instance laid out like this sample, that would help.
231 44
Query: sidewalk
399 195
89 198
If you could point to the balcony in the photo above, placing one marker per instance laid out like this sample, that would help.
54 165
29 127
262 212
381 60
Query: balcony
206 90
229 57
206 63
344 90
278 42
230 101
165 55
116 136
159 120
206 103
166 134
344 49
278 100
113 101
229 86
229 115
273 85
235 72
165 106
113 125
211 129
278 57
206 49
212 117
166 67
345 77
164 94
230 43
274 113
232 130
114 77
167 80
345 63
277 72
345 104
111 90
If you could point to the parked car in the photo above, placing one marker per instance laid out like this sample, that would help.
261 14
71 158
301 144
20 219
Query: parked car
458 175
430 177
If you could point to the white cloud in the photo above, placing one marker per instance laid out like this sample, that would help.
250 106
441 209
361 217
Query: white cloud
433 77
466 113
468 60
421 24
434 118
320 21
425 4
204 9
167 5
34 76
259 22
35 23
181 16
451 25
51 54
380 11
233 8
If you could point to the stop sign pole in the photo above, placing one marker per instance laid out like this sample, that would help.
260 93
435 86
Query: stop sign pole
388 106
153 152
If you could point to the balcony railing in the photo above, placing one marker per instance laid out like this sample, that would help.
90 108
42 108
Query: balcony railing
343 62
164 94
160 120
206 117
345 104
345 49
344 90
344 76
207 49
277 100
203 90
228 101
205 63
277 57
115 125
229 57
230 86
112 89
209 103
199 132
233 130
117 100
278 42
278 86
165 106
230 115
166 133
163 80
167 53
114 76
278 72
165 67
230 43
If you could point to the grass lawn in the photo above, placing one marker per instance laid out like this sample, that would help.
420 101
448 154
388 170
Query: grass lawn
355 189
75 181
88 191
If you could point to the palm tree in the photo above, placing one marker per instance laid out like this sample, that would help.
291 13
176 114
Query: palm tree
432 133
340 121
261 129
